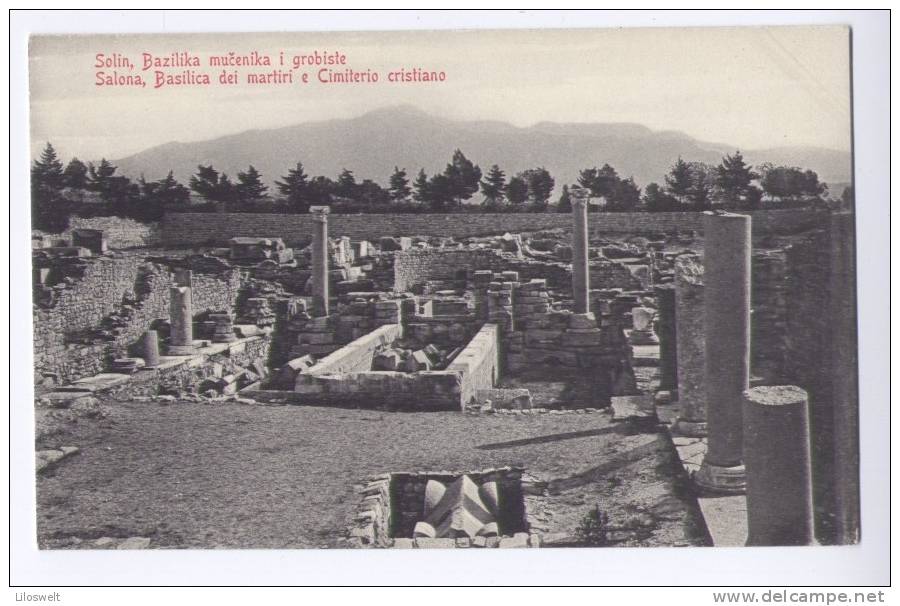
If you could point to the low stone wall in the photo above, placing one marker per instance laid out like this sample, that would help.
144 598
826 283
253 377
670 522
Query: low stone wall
345 378
189 229
478 363
356 356
186 374
119 232
415 267
120 295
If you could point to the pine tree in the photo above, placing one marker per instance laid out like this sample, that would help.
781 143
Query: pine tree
441 193
211 185
463 177
657 199
734 179
346 184
680 179
295 188
47 172
50 211
626 196
421 187
599 181
250 187
517 190
399 186
700 193
75 175
540 186
493 186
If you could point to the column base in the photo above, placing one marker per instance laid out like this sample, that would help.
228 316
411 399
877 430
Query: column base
181 350
643 337
721 480
689 429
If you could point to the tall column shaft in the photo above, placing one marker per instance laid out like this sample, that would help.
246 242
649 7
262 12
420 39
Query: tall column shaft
181 320
690 345
150 347
727 247
320 260
581 280
668 355
844 364
777 458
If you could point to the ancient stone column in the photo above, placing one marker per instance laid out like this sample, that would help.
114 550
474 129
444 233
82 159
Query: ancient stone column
181 319
844 364
224 328
726 260
320 260
581 280
777 458
668 354
690 346
150 348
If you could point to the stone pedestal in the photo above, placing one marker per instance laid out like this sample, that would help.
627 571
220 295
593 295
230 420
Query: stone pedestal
668 355
320 295
642 333
150 348
690 345
181 318
580 269
777 458
727 248
223 332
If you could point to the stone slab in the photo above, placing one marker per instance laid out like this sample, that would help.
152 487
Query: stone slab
645 355
726 519
96 383
633 407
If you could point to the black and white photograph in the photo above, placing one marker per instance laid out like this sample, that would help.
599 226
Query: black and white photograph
478 289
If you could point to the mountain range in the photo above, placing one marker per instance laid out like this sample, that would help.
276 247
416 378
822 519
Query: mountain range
372 144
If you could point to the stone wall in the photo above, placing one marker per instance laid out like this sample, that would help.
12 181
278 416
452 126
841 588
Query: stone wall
119 232
416 267
188 229
345 378
189 373
478 363
357 355
101 311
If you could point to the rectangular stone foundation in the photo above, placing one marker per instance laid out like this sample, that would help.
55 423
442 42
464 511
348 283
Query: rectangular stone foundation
343 378
394 502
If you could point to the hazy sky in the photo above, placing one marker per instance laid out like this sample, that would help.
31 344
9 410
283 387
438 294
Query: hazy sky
749 87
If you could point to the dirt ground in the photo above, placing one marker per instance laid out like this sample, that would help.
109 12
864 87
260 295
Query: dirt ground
230 475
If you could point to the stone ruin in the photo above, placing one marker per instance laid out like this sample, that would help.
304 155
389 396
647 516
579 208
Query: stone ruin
439 324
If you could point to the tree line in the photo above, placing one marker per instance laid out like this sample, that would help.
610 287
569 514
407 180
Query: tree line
59 191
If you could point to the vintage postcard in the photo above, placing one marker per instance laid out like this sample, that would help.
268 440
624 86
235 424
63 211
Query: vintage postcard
458 289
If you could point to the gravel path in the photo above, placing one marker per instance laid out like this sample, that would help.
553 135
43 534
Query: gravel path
192 475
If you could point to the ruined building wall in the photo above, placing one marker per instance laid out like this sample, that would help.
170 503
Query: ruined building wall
478 363
768 326
414 267
119 232
821 358
93 304
187 229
